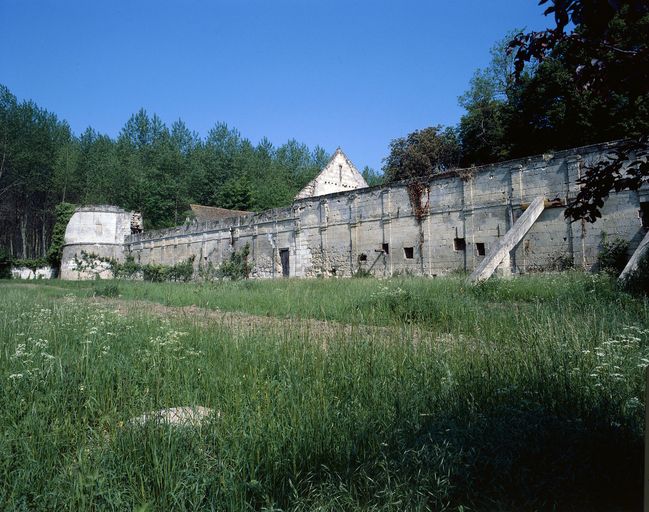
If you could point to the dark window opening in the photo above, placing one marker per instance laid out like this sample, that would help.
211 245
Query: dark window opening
644 214
362 257
409 252
459 244
386 248
479 247
284 258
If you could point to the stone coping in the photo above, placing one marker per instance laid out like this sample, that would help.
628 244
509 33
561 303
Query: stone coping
101 208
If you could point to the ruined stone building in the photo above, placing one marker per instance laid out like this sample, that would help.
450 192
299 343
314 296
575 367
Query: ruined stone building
338 226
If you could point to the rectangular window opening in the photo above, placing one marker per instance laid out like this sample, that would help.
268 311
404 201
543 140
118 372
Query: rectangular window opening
459 244
386 248
480 249
409 252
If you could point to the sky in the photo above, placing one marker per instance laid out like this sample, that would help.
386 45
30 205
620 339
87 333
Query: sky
354 74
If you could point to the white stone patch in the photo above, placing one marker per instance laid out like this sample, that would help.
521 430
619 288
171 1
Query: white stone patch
193 416
28 273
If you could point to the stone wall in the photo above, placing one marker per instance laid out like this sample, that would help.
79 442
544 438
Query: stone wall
376 230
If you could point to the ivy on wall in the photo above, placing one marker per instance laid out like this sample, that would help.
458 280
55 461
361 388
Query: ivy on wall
63 212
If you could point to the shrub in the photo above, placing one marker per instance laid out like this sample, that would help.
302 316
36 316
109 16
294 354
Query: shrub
127 270
155 273
108 290
30 263
182 271
63 212
207 272
613 256
560 261
237 267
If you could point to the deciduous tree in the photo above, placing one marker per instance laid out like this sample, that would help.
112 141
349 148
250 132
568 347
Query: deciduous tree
603 46
422 153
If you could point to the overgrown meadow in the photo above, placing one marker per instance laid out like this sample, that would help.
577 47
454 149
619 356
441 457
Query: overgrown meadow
361 394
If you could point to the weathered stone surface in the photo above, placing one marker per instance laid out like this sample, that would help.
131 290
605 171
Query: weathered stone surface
97 230
339 175
502 248
466 214
177 416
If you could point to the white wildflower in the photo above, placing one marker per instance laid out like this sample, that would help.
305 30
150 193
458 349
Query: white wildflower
20 351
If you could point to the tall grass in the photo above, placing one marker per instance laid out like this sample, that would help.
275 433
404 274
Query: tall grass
523 395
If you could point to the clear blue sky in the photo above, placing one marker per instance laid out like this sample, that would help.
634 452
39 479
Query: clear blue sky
354 74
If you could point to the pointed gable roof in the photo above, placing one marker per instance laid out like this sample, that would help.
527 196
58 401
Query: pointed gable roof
338 175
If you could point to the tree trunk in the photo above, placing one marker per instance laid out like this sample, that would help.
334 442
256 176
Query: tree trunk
23 234
43 240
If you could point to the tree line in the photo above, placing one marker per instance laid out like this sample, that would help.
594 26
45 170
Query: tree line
149 167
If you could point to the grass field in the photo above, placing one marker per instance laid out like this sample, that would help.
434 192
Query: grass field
361 394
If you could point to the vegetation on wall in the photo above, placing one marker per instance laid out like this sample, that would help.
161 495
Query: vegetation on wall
181 271
237 267
90 263
416 190
421 153
62 213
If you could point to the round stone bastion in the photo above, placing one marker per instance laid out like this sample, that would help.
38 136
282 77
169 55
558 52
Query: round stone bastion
94 235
